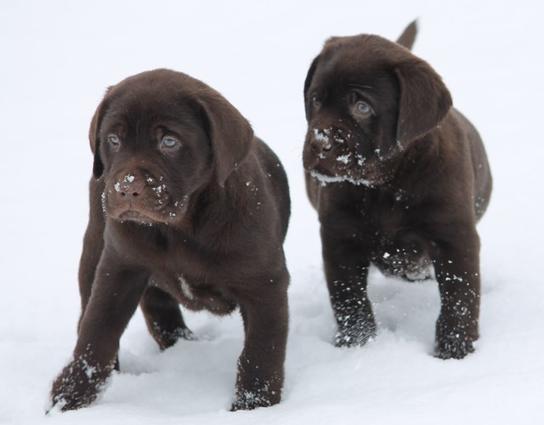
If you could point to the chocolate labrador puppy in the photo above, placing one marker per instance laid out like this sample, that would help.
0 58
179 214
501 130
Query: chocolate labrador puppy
399 179
187 206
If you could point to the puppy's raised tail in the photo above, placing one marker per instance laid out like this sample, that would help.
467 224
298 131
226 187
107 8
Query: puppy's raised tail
408 36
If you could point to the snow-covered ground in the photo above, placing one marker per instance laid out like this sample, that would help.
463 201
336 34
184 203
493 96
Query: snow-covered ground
57 58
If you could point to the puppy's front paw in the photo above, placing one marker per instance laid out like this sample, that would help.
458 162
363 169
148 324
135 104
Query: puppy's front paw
453 346
78 385
252 399
454 338
358 334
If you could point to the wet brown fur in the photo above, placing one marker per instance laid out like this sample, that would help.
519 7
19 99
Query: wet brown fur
202 225
415 182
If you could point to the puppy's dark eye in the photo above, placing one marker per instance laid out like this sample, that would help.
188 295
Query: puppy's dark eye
114 141
316 102
169 142
362 109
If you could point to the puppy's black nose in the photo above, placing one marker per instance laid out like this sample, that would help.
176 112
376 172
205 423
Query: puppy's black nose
320 141
129 185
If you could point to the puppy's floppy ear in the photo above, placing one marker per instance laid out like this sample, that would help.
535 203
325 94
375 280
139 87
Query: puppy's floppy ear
308 82
98 166
230 133
423 102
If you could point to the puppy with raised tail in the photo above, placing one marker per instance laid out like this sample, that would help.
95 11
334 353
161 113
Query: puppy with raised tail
399 179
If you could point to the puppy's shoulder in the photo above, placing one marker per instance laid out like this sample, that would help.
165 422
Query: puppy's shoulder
465 126
457 135
269 161
274 177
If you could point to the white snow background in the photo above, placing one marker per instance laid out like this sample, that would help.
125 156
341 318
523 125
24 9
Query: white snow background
57 58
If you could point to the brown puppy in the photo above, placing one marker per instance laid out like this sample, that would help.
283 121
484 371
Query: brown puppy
399 179
187 206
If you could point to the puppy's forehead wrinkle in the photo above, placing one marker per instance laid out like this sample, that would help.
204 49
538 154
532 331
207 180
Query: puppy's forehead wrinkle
143 121
161 80
150 107
360 86
172 93
372 81
369 46
354 57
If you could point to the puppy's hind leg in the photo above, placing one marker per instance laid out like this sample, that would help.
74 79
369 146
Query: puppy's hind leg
163 318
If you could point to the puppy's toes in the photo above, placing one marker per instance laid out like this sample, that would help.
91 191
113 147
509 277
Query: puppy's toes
249 400
187 334
66 395
78 385
455 346
167 339
355 336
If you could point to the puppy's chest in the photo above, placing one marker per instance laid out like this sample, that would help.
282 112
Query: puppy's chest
182 269
194 291
385 214
398 246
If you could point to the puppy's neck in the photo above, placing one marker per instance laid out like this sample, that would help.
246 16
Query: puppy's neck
413 165
211 208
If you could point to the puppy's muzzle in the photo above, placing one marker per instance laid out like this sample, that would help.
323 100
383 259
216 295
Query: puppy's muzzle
136 195
129 187
324 140
322 143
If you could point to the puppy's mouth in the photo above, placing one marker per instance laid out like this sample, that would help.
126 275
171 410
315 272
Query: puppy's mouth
150 205
368 175
335 154
325 179
147 217
137 216
131 212
343 166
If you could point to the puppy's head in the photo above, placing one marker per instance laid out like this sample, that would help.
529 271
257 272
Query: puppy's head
158 139
367 100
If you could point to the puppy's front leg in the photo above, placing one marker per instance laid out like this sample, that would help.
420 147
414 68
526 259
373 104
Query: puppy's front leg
115 295
458 275
260 366
346 268
93 244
